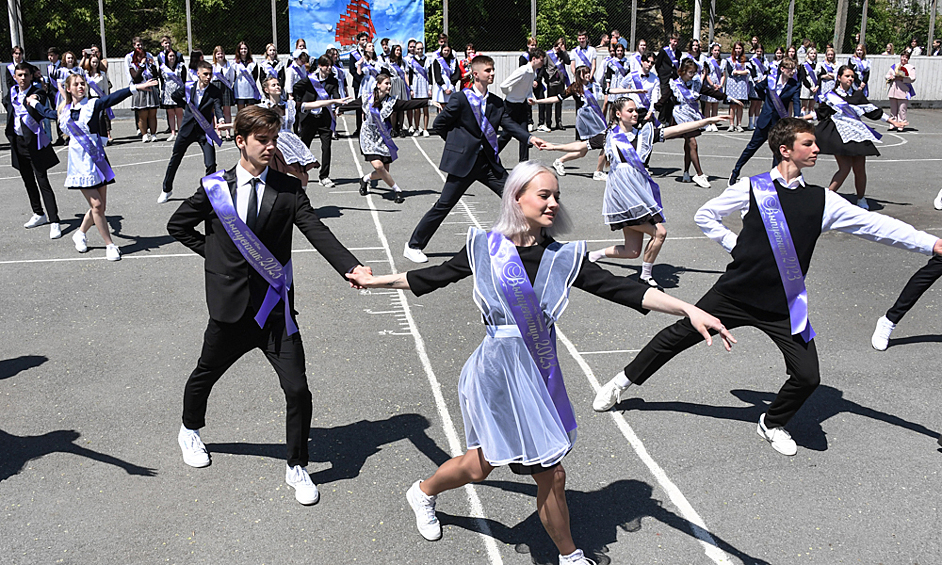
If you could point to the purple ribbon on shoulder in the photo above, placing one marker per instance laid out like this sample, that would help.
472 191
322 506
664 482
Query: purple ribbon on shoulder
775 90
478 108
270 69
630 156
341 75
643 96
19 108
208 129
380 124
419 69
759 62
322 94
717 71
101 94
244 73
92 147
527 313
446 69
222 78
786 257
619 67
688 96
844 107
672 56
279 277
592 101
582 55
560 67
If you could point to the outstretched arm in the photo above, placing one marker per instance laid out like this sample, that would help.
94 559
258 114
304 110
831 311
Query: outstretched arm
702 322
366 280
680 129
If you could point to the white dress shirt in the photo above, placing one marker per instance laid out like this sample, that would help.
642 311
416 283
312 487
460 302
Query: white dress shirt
839 214
244 189
518 87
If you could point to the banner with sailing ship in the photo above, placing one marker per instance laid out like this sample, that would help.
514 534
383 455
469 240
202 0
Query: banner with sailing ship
335 23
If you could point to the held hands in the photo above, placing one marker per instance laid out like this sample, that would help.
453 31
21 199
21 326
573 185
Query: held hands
896 123
537 142
703 323
360 277
937 248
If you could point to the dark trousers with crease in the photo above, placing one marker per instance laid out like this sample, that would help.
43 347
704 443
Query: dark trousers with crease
759 139
37 183
179 150
914 289
453 190
319 127
224 344
519 113
801 359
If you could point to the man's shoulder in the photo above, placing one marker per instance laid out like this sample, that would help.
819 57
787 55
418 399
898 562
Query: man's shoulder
282 182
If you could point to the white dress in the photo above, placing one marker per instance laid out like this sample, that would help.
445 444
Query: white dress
420 86
628 197
737 86
81 171
244 81
687 110
439 90
292 148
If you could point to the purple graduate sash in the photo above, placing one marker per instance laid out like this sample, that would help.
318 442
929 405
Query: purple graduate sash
446 70
11 68
269 68
716 71
244 73
619 67
341 75
860 65
786 257
419 69
689 98
814 79
526 56
477 106
101 94
172 75
402 76
19 108
643 96
775 91
380 124
844 107
211 135
909 87
689 56
592 101
630 156
583 56
528 316
560 67
221 78
759 62
279 277
322 94
92 147
673 58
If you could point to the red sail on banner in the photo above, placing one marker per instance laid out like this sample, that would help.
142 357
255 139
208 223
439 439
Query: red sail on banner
356 19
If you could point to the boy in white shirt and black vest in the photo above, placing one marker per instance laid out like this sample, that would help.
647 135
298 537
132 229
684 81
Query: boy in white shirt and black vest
764 285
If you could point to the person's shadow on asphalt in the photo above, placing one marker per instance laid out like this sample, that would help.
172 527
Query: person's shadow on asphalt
595 516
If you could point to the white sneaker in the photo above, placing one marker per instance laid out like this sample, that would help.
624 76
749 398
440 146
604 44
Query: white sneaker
414 255
424 507
80 240
544 128
305 491
701 181
145 138
881 334
937 202
55 232
686 177
425 133
164 197
560 169
576 558
780 439
112 253
36 220
530 127
862 202
327 183
600 175
411 130
172 137
194 452
609 395
417 133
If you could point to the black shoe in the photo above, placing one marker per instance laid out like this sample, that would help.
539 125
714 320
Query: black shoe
399 197
560 127
364 187
733 179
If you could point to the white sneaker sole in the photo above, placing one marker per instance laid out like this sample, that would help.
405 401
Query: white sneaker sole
435 534
305 502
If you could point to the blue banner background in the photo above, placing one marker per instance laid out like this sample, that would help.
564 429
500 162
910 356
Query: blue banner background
316 22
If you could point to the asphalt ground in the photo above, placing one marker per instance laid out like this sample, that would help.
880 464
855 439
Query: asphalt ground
94 356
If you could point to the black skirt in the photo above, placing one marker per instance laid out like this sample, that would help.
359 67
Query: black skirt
830 143
646 219
385 159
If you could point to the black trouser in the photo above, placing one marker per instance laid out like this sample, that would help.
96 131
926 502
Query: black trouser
759 138
662 104
801 359
319 127
558 106
518 112
224 344
37 183
454 188
917 285
179 150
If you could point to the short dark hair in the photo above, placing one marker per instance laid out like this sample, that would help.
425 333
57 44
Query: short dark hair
363 34
674 35
204 65
24 66
481 60
443 35
303 57
15 49
325 61
384 41
582 32
52 51
255 118
648 57
537 53
786 131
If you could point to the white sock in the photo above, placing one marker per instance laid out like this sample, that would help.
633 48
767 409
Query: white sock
366 177
646 270
622 381
396 188
596 255
577 554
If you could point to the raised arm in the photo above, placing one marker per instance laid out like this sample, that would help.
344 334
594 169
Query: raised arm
841 215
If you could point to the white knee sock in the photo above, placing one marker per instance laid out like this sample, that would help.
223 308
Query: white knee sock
646 270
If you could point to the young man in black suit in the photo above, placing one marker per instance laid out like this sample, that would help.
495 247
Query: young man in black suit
319 122
471 150
666 65
31 149
362 39
250 212
208 100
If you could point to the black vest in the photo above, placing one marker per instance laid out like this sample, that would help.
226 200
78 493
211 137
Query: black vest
753 278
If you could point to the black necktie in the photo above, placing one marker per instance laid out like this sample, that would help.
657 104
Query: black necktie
251 215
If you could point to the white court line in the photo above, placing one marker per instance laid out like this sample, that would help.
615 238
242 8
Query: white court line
150 256
451 433
697 525
609 351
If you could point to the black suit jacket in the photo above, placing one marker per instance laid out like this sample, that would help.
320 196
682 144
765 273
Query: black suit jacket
463 136
45 158
790 93
210 106
304 92
232 285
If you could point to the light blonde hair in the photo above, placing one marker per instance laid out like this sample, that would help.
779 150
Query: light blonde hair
511 221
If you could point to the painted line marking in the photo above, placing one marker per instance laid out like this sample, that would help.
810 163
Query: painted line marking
151 256
609 351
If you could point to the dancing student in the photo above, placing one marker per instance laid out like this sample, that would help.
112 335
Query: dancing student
715 78
555 80
827 72
899 79
518 90
840 132
246 71
632 201
271 66
399 88
667 68
781 92
201 118
445 74
315 96
636 58
98 86
809 81
464 66
514 404
684 107
616 68
583 54
917 285
262 205
357 73
590 122
421 88
759 289
468 123
291 155
31 150
758 82
142 67
645 85
88 168
340 73
376 143
737 84
173 78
